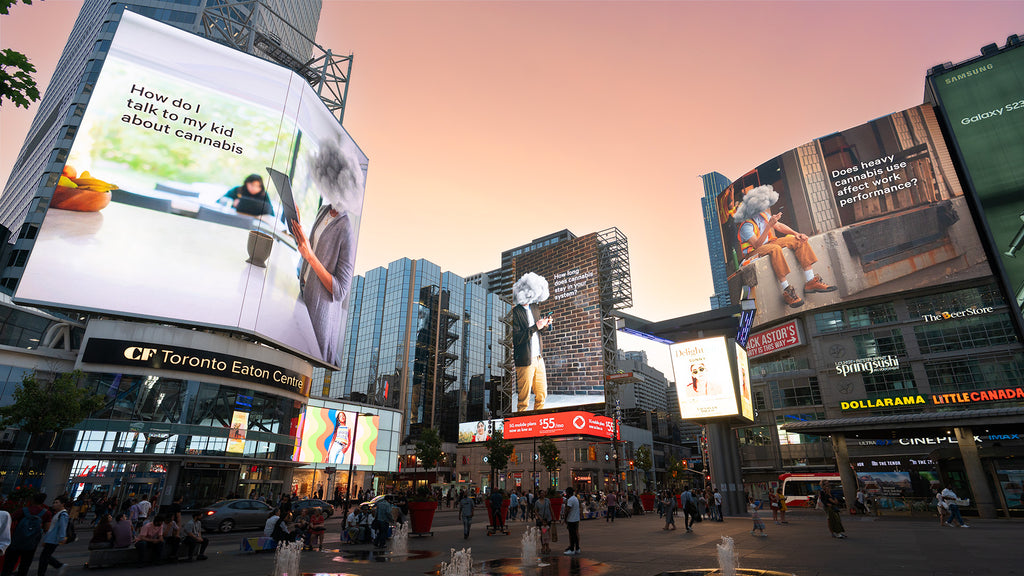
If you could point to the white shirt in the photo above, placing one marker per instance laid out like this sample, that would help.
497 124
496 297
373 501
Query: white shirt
572 509
268 528
144 507
718 498
534 338
948 495
351 521
5 530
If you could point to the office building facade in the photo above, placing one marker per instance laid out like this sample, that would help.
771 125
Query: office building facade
714 183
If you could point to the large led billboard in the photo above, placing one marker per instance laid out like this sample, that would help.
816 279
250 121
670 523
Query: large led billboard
479 431
571 347
983 105
332 436
709 384
208 187
871 210
559 424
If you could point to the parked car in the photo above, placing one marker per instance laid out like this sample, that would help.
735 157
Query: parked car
228 515
326 507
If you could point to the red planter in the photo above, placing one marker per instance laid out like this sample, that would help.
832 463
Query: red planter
504 511
421 516
648 502
556 507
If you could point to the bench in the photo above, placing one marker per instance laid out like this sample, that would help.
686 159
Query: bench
258 543
108 557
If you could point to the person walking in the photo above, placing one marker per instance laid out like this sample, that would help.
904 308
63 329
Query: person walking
951 499
831 505
466 505
611 502
754 506
543 516
773 503
668 506
30 523
571 515
709 495
55 536
513 505
689 504
941 508
782 505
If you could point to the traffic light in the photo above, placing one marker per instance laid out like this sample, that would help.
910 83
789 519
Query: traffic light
630 464
685 465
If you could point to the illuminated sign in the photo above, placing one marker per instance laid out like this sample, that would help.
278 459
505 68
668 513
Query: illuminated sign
479 431
181 359
330 436
198 178
972 311
237 432
559 424
882 402
704 378
869 365
999 394
743 375
781 337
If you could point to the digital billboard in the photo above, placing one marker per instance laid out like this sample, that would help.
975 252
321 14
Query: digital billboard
237 431
983 106
204 186
871 210
705 382
571 372
743 376
559 424
332 436
479 431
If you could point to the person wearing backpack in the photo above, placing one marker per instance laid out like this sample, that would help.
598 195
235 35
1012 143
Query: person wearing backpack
29 524
55 536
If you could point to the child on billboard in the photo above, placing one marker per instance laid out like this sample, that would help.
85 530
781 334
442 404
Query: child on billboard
341 441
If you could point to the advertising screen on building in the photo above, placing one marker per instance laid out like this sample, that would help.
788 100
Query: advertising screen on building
559 424
204 186
983 104
572 372
479 431
237 432
870 210
743 376
704 378
332 436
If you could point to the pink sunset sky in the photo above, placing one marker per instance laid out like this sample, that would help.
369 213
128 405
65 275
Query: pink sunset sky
489 124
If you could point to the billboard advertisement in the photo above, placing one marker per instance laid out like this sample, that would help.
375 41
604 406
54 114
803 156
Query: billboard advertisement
559 424
983 105
743 376
208 187
331 436
565 293
782 337
871 210
479 431
237 431
705 381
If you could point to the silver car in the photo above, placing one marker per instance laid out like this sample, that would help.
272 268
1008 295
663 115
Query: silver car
228 515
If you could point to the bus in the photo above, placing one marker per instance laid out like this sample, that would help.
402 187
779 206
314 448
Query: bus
802 488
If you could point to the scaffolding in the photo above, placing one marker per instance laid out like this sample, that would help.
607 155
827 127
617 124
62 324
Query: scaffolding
238 24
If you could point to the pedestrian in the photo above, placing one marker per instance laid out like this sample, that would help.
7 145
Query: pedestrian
668 506
542 513
709 495
782 505
954 509
773 503
689 505
29 525
466 513
55 536
860 501
571 515
5 531
382 521
496 500
718 506
831 505
611 503
524 504
754 506
942 508
317 528
513 505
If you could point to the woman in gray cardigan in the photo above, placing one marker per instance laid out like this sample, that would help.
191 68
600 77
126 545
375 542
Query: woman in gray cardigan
329 252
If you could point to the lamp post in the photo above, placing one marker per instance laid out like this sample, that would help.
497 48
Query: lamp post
352 461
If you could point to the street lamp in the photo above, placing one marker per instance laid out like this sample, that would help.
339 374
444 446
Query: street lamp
352 460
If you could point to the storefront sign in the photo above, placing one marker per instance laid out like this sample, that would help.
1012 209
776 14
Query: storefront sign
868 365
781 337
997 395
972 311
559 424
190 360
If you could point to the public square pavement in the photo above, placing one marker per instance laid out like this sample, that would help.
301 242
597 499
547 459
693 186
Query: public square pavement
638 546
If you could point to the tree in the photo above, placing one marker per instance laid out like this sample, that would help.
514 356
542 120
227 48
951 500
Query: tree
550 456
642 457
499 451
16 82
428 450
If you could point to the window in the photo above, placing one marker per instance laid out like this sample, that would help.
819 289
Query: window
794 393
880 344
976 373
756 436
883 313
826 322
886 384
787 438
965 333
981 297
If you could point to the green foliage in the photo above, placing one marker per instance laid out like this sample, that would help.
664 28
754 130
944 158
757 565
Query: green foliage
642 459
550 456
499 450
16 82
5 5
45 407
428 449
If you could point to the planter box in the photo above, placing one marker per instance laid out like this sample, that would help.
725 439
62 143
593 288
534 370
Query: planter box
421 516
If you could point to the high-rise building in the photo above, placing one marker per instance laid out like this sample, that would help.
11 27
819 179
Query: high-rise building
424 341
271 29
647 390
714 183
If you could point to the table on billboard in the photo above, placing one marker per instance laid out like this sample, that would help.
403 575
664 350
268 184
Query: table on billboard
559 424
866 211
163 209
330 436
983 103
704 378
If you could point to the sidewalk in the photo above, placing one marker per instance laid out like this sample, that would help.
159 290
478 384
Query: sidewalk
638 546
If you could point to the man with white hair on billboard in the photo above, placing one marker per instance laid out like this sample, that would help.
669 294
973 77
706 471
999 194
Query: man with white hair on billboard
757 236
529 290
